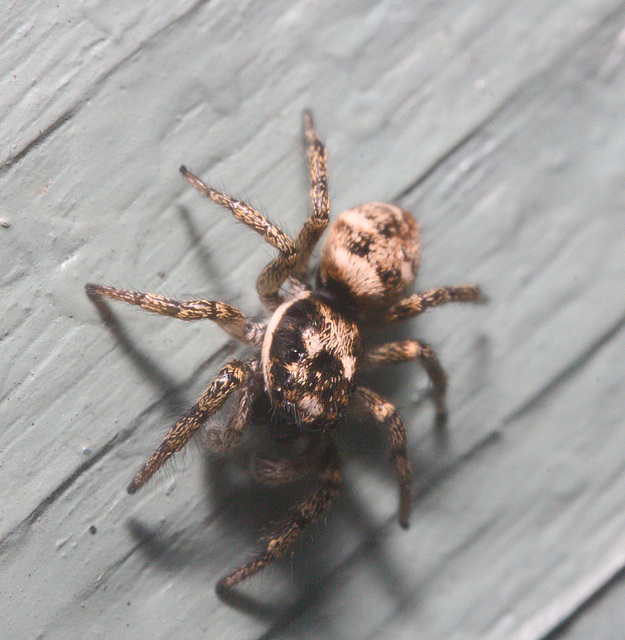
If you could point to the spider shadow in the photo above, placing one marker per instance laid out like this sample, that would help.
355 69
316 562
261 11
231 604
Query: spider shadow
170 389
207 263
250 508
244 509
173 397
314 573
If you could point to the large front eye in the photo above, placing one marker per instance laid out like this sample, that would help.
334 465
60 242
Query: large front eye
294 355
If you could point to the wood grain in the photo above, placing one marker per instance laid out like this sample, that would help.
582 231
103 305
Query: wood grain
500 125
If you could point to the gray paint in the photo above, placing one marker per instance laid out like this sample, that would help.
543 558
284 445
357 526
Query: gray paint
500 126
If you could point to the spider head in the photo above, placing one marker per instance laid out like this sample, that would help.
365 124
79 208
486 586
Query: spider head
309 361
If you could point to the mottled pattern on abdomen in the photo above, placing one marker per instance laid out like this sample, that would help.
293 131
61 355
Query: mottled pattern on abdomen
373 250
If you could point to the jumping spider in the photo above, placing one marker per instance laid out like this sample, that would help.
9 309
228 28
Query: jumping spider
307 354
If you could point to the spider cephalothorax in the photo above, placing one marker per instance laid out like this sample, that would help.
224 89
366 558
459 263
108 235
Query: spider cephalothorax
307 354
309 360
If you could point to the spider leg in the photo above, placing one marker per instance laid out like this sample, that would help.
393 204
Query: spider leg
277 271
406 350
420 302
285 536
221 440
274 471
369 402
231 376
317 222
229 318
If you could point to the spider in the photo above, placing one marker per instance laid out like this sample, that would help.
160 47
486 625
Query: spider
306 355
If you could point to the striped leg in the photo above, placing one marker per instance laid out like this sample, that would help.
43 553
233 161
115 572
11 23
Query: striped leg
229 318
317 222
283 538
406 350
369 402
277 271
221 439
420 302
231 376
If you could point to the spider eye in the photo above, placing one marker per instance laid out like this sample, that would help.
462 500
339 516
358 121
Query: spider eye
294 354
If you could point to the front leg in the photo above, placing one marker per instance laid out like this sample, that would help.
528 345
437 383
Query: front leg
283 538
317 222
222 439
277 271
231 376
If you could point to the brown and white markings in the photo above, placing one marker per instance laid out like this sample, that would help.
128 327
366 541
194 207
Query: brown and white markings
307 354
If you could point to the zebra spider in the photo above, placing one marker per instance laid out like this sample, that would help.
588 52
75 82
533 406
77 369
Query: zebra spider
307 354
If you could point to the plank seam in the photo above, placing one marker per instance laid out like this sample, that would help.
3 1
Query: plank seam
12 160
15 535
533 81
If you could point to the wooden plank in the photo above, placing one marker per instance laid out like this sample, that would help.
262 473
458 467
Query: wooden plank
499 125
523 536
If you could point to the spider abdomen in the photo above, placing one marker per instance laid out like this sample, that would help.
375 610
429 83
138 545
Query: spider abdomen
371 253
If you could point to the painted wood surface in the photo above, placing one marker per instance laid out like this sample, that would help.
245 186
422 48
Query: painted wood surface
501 126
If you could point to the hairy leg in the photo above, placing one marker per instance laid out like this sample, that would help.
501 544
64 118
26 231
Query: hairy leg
230 377
277 271
284 537
420 302
406 350
222 439
229 318
365 400
317 222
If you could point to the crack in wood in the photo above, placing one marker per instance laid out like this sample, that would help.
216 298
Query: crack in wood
568 372
16 535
